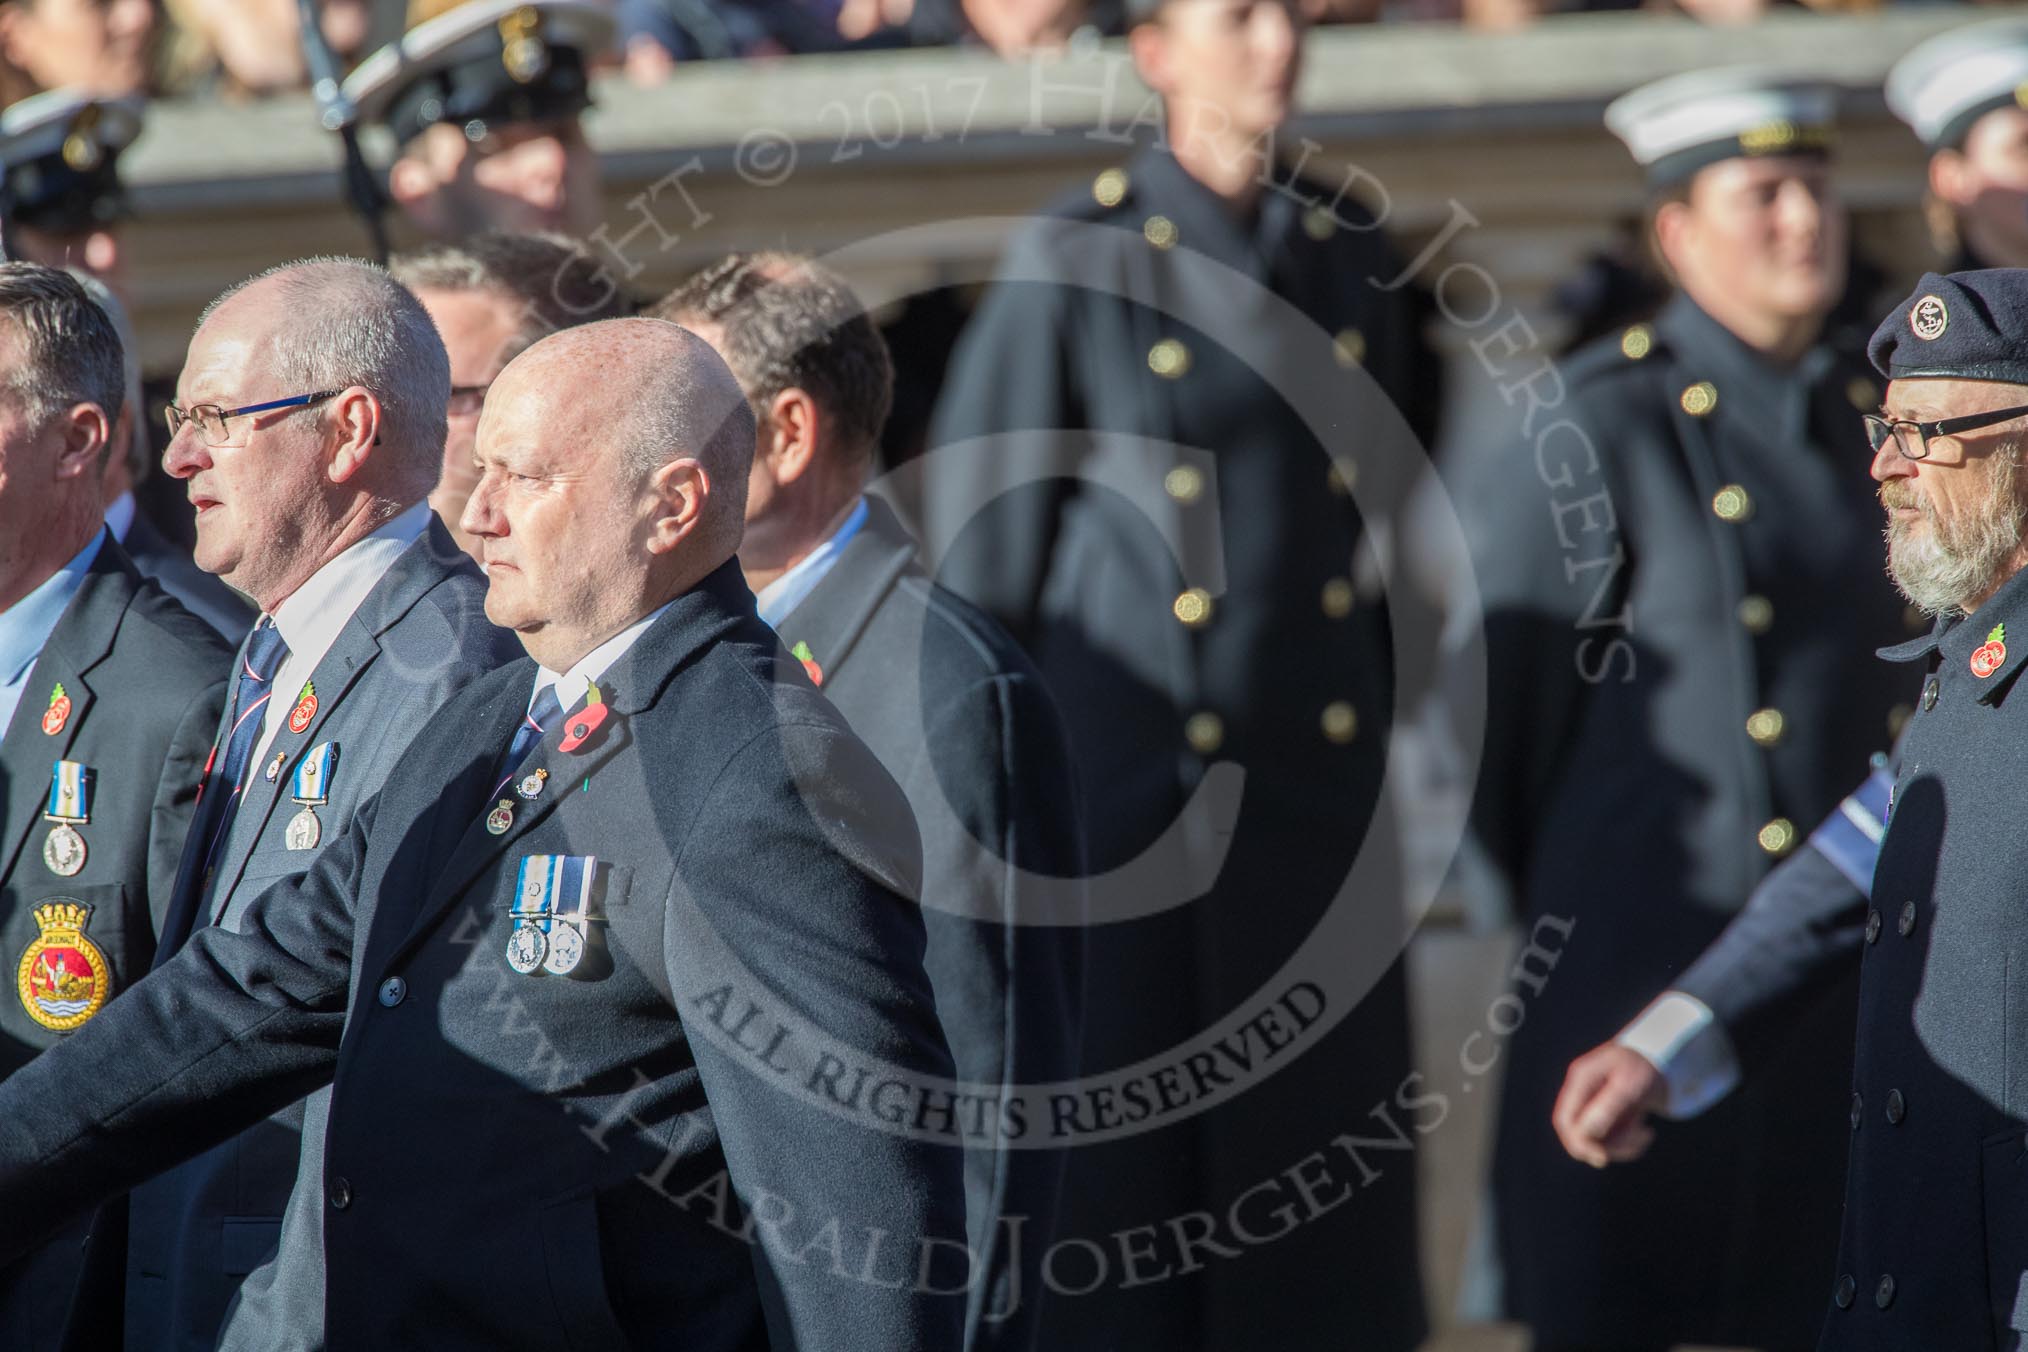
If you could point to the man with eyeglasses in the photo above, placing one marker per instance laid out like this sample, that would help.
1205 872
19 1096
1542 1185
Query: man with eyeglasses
1933 1252
1681 598
491 296
309 428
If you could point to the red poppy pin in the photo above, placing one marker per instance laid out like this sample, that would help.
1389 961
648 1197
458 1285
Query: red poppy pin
58 712
305 710
801 652
577 730
1988 657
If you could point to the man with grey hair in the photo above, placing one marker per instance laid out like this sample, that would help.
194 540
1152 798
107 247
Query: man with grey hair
951 706
490 296
108 690
308 425
168 564
588 975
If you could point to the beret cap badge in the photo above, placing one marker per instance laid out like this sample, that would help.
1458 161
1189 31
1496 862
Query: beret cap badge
523 52
1928 319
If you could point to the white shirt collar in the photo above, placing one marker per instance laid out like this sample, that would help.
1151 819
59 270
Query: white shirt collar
571 685
316 613
779 598
120 515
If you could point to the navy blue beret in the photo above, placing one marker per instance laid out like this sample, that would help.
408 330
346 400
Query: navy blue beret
1967 326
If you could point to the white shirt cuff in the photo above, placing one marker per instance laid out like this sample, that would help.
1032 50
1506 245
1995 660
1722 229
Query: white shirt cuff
1679 1036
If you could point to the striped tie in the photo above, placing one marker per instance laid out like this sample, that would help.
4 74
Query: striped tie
265 653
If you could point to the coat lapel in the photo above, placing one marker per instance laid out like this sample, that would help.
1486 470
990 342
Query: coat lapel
420 569
80 641
838 609
712 610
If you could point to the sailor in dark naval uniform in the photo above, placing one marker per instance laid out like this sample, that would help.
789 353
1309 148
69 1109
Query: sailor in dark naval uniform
1961 92
1162 445
1681 590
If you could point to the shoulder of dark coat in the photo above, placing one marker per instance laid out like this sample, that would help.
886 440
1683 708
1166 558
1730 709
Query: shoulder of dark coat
183 653
962 646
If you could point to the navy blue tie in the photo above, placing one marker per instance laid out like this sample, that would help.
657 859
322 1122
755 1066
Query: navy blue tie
226 785
541 714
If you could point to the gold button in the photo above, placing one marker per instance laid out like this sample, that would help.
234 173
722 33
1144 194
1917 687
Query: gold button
1756 612
1193 607
1161 231
1319 224
1864 394
1205 732
1337 598
1184 483
1343 474
1637 342
1341 723
1897 719
1766 726
1731 503
1169 359
1349 347
1778 837
1110 188
1700 399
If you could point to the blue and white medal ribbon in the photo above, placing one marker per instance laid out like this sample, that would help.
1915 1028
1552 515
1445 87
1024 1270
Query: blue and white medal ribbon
311 789
70 806
552 895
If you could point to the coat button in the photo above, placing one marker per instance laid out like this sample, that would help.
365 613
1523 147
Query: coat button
1110 188
1731 503
1766 726
1349 347
393 991
1896 1108
1907 922
1883 1295
1873 927
1337 598
1169 359
1205 732
1637 342
1340 722
1778 837
1320 224
1858 1109
1847 1290
1160 232
1193 607
1700 399
1929 693
341 1194
1185 483
1756 613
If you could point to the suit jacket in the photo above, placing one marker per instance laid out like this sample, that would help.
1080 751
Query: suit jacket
1934 1244
546 1162
144 678
200 593
1682 588
1142 468
957 714
419 636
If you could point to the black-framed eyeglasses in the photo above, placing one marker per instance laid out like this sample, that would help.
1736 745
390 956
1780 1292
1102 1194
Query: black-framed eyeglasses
210 418
1912 438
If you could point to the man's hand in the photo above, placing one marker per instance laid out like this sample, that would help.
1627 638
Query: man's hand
1601 1111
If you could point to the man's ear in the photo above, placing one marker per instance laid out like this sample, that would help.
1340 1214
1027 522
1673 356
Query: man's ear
1149 47
681 490
1951 178
355 422
794 425
1675 223
86 435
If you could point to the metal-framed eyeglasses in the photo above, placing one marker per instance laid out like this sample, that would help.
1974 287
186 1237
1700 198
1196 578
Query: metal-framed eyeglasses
210 418
1912 438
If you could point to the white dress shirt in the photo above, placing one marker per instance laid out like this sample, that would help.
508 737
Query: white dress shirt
571 685
26 625
1682 1038
314 615
776 600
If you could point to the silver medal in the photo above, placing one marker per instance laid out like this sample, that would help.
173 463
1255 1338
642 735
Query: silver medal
526 948
304 830
566 949
64 851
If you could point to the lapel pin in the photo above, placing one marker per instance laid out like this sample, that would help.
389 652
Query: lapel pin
1989 656
305 710
579 727
531 785
801 652
58 712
